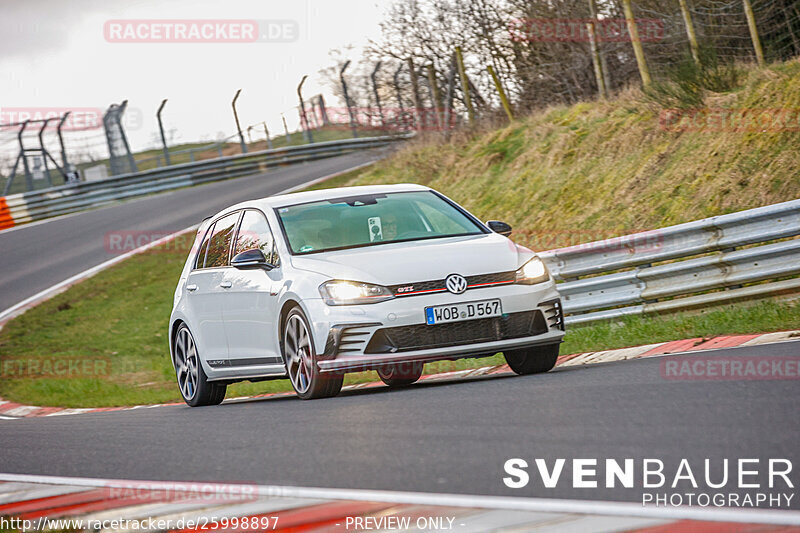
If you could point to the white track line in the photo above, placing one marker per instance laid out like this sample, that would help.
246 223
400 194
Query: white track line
48 293
544 505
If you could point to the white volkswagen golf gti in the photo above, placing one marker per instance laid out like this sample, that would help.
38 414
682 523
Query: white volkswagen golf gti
312 285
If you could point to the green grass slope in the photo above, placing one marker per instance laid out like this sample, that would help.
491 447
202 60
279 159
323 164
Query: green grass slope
595 170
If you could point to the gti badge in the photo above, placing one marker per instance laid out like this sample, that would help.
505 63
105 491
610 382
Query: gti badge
456 283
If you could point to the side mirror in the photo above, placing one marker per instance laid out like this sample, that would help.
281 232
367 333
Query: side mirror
499 227
254 258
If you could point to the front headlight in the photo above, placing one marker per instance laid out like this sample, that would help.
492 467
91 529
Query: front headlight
532 272
338 292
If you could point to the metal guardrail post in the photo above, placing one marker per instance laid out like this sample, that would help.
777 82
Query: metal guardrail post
238 126
161 130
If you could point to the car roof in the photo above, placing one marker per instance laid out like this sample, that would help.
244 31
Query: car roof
283 200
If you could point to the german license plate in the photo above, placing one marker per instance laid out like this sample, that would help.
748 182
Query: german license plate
441 314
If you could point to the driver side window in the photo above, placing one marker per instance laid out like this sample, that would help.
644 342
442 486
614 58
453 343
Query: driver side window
254 232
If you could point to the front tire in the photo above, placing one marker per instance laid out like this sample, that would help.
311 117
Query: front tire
193 383
534 360
301 360
400 375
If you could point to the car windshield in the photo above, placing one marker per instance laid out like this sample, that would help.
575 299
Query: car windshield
367 220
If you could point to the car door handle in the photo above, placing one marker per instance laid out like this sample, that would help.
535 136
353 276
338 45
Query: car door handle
191 288
226 284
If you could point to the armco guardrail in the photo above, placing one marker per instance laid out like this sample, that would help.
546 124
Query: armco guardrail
616 277
26 207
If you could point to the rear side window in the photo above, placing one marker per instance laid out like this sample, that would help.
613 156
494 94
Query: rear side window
219 244
254 233
201 255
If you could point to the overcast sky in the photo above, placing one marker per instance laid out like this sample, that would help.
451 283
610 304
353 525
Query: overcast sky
53 53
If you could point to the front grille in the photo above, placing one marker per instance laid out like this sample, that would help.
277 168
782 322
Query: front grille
422 337
473 282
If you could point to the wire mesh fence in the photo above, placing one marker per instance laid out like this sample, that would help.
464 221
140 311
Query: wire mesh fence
441 64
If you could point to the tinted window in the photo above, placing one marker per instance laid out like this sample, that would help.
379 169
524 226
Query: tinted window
253 233
371 220
220 242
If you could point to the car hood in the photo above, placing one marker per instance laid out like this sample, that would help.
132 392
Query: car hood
414 261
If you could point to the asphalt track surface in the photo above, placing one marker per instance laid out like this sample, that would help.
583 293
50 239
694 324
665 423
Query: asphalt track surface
38 256
449 437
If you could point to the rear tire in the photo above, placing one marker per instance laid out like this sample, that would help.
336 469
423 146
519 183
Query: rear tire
301 360
193 383
534 360
400 375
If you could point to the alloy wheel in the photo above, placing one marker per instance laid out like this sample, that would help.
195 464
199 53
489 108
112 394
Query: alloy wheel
186 363
299 359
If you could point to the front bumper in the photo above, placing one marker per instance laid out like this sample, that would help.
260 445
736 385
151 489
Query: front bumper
345 336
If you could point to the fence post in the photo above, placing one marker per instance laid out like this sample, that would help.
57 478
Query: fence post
598 66
266 132
44 150
502 93
435 96
286 129
303 117
161 130
448 101
323 111
603 64
415 92
638 51
751 23
687 20
238 127
465 85
347 99
61 140
375 92
118 116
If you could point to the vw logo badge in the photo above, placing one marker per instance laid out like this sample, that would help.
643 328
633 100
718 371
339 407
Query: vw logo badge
456 283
